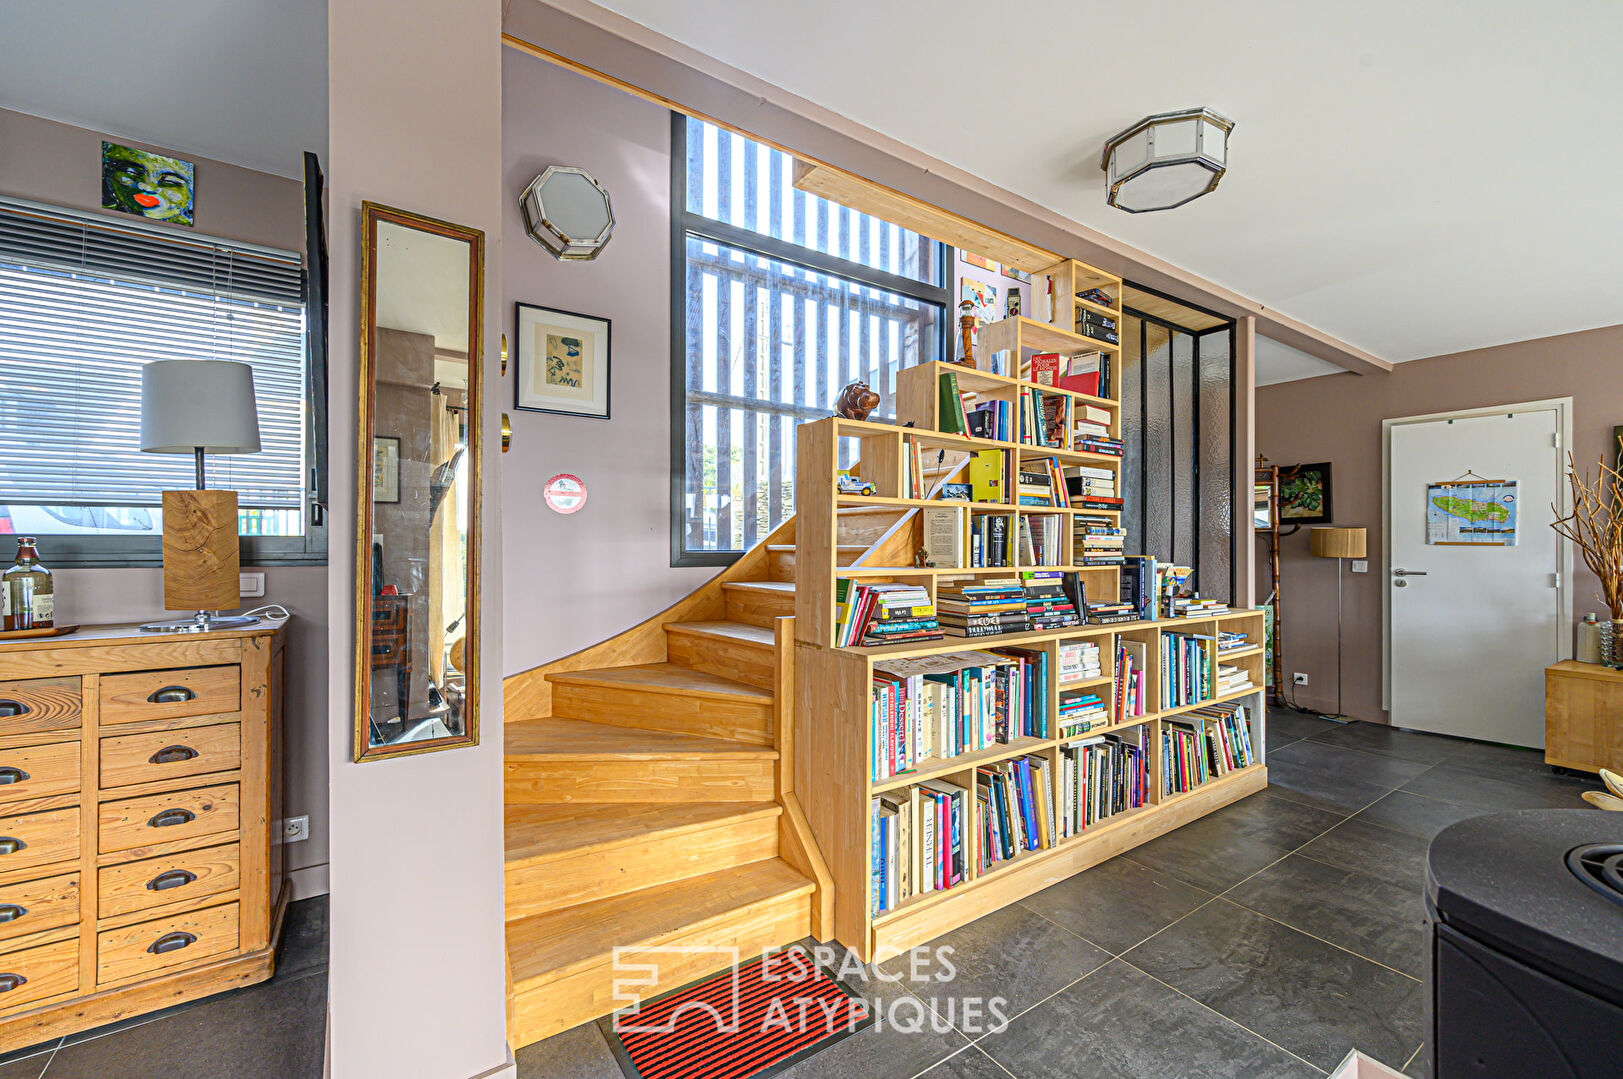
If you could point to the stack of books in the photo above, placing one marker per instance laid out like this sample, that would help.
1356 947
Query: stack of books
1042 484
991 540
1186 666
1078 661
1131 672
1195 607
1102 776
1105 614
1080 713
1232 680
1092 488
1017 808
1090 374
1170 582
1040 540
1097 541
1048 606
1096 295
882 614
982 608
1099 327
1229 641
919 838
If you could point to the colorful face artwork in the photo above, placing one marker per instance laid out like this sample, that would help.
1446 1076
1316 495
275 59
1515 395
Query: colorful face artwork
147 185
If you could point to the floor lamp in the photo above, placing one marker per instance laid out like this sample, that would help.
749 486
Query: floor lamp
1340 544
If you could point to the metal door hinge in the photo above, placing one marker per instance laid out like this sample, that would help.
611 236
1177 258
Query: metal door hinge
1555 580
1557 438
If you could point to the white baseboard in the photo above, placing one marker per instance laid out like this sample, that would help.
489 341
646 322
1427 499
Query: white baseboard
310 881
507 1070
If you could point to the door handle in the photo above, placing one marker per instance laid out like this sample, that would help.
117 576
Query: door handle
1408 573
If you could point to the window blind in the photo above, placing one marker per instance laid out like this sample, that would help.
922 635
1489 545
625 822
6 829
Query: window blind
85 301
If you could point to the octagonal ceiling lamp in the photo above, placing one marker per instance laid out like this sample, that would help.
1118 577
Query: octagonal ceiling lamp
1167 160
568 213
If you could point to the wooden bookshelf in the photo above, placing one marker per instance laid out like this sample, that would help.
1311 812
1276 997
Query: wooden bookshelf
833 761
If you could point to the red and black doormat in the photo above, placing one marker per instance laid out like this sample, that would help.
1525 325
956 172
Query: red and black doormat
746 1022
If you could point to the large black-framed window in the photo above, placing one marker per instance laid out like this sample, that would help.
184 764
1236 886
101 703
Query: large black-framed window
85 301
778 299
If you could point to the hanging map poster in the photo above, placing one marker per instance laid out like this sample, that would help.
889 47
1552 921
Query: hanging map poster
1471 512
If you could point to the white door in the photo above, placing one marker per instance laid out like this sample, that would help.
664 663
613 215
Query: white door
1472 627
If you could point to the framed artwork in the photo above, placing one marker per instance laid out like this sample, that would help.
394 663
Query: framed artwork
978 260
1471 512
1022 276
147 185
1304 494
983 296
385 469
563 362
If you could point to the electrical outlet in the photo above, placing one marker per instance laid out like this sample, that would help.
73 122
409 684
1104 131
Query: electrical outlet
1299 678
295 829
1360 565
250 584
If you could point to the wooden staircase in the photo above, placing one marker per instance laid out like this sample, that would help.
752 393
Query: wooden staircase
649 798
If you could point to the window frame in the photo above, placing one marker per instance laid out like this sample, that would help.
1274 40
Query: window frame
76 551
685 223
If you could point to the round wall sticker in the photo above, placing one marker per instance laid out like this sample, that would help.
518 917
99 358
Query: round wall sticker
565 493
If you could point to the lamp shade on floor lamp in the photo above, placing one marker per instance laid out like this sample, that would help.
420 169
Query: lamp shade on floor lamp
199 407
1326 541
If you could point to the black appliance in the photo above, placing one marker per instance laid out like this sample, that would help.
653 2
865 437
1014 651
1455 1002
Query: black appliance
1525 934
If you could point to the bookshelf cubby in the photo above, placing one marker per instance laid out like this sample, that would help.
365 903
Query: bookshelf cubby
835 715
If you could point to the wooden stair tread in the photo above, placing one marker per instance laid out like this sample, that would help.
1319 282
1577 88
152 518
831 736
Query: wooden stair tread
761 586
546 831
547 946
844 548
581 739
663 678
737 631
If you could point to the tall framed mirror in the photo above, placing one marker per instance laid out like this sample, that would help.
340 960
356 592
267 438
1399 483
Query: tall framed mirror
417 534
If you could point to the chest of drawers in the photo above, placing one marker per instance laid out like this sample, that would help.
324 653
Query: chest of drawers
140 780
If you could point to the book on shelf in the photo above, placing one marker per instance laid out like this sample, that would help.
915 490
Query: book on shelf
1079 661
1102 776
989 476
944 536
1048 606
1040 540
1045 368
1095 318
982 608
1232 680
1080 713
912 468
1129 684
1138 578
1099 327
1186 669
1204 744
882 614
951 417
940 707
1105 613
989 419
991 541
1088 374
1016 799
1230 641
917 843
1195 607
1110 447
1183 760
1097 502
1096 295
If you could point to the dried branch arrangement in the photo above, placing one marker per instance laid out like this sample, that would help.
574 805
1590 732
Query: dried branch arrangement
1595 527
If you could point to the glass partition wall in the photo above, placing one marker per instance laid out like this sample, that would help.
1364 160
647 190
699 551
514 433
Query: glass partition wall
1177 407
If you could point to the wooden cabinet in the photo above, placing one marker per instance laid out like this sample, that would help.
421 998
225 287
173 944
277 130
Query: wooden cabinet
1583 716
140 779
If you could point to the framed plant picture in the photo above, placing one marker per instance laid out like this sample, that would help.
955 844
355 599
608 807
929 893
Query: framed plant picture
1304 494
563 362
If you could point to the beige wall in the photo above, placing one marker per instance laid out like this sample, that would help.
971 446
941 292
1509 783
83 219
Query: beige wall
1337 418
416 982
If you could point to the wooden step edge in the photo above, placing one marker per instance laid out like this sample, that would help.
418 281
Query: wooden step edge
775 587
732 692
761 638
535 981
745 751
746 813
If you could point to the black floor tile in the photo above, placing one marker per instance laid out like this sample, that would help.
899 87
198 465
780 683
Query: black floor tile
906 1039
971 1063
578 1053
1349 763
29 1067
1374 851
1117 904
1121 1023
1294 726
1415 815
304 937
1312 998
36 1052
1014 954
1391 742
271 1031
1450 784
1220 850
1376 919
1499 762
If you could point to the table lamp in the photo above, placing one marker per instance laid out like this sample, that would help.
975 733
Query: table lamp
199 407
1340 544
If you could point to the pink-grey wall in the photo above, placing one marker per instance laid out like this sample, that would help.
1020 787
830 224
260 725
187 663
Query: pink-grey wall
579 578
416 982
60 164
1337 418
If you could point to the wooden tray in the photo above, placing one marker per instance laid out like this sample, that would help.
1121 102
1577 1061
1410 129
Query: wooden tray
49 631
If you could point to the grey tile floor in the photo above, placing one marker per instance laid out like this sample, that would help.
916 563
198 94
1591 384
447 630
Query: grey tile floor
1267 939
274 1030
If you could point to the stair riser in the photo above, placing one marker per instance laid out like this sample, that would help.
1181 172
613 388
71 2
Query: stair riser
742 661
864 526
542 884
531 781
758 608
781 565
709 717
545 1008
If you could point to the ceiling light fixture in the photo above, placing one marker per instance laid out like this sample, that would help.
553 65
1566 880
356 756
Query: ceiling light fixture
1167 160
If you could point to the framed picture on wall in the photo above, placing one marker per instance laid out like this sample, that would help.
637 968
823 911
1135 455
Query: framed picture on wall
385 469
563 362
1304 494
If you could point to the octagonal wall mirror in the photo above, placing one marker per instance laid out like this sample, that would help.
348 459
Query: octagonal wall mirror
569 213
417 528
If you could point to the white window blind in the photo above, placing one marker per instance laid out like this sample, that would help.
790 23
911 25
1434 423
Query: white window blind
85 301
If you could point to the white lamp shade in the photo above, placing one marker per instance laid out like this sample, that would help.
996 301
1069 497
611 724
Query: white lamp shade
187 405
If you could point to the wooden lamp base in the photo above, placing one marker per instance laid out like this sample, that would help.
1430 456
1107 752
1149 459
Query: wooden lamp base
201 562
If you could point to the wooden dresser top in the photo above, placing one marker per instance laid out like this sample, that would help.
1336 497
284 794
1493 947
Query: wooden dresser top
130 633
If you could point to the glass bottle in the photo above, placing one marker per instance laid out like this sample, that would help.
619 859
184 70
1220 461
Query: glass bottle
29 602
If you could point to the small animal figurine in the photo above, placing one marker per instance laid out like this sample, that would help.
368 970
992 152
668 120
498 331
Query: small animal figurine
922 560
856 401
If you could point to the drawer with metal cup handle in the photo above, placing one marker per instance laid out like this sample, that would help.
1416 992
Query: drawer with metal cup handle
160 818
38 771
32 974
39 704
135 951
170 694
37 839
38 905
128 759
170 878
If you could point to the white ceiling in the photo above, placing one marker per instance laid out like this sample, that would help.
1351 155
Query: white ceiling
237 81
1414 179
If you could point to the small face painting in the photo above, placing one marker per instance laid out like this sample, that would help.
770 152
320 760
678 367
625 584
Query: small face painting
563 360
147 185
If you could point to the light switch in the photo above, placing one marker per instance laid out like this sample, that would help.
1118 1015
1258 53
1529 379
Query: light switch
1360 565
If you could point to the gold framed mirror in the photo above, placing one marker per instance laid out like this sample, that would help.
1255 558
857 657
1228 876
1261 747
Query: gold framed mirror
417 498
